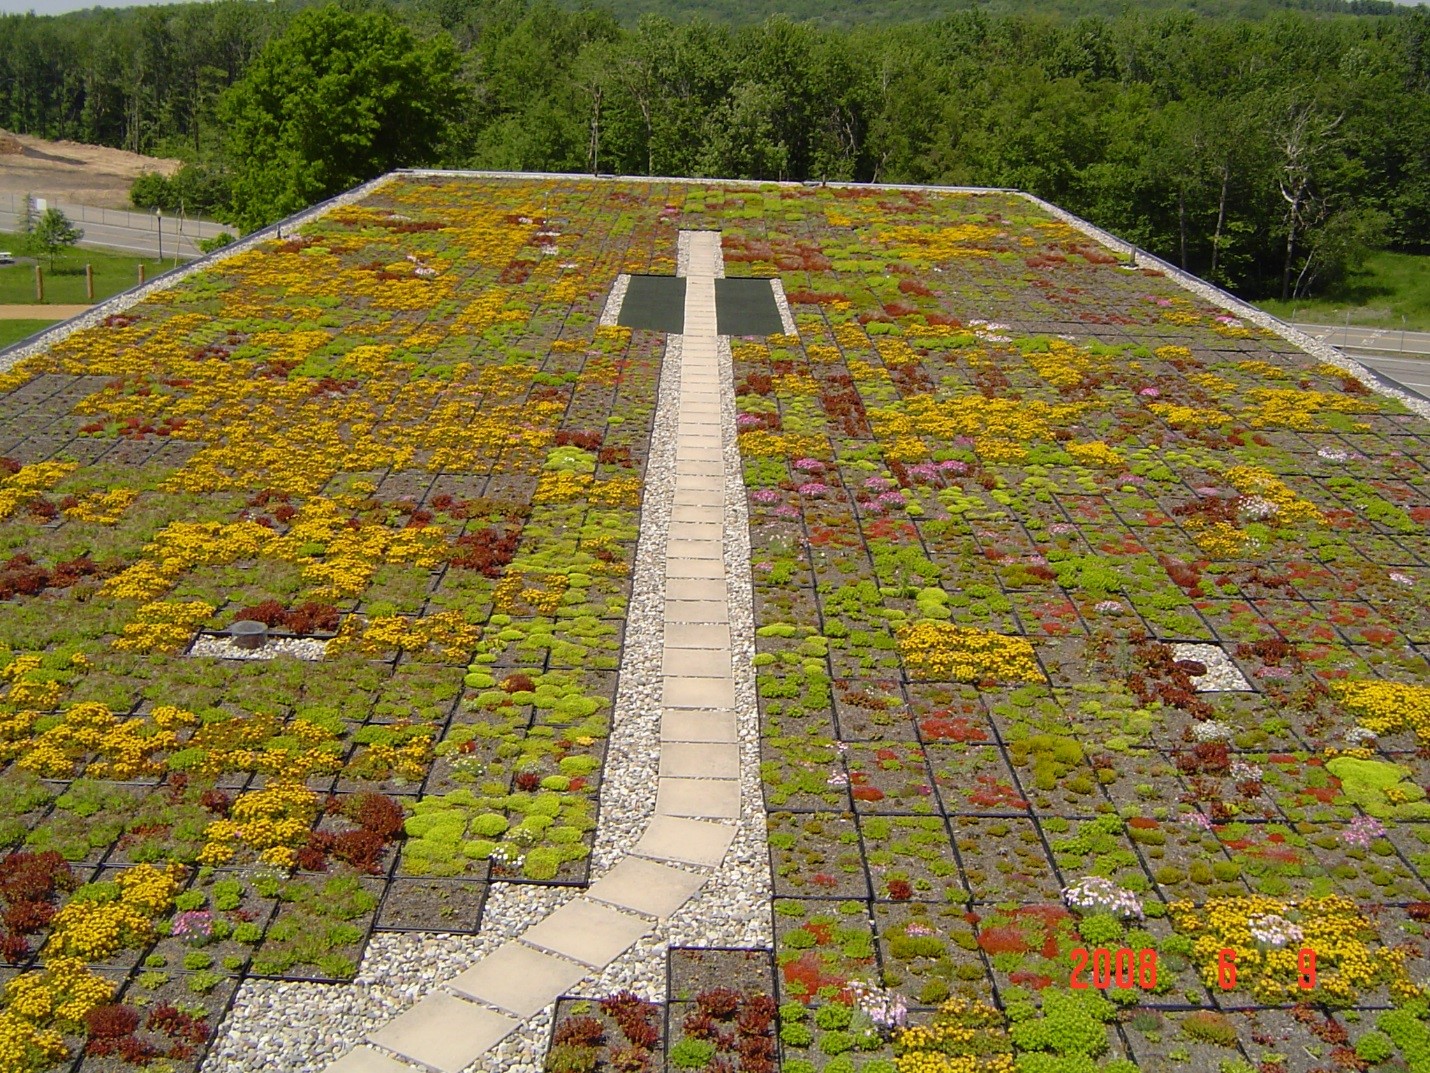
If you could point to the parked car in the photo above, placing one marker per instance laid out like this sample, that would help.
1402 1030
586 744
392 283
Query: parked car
6 257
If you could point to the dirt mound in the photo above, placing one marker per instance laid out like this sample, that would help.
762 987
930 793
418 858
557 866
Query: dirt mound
72 171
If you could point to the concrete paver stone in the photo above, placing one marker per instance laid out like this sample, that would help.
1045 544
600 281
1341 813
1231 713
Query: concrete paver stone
697 588
699 491
711 515
699 467
444 1032
698 842
697 726
646 887
699 760
697 663
714 799
695 549
696 611
696 531
587 931
680 692
695 568
363 1059
519 979
697 635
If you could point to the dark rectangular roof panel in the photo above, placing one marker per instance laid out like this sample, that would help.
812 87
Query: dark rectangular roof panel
746 307
655 303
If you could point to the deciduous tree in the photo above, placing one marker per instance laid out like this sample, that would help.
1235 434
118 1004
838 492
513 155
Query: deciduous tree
339 98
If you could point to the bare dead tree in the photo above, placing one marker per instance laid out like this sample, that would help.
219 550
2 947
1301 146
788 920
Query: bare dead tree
1301 141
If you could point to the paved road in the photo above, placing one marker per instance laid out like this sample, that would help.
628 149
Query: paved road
1385 340
1401 357
133 232
1413 373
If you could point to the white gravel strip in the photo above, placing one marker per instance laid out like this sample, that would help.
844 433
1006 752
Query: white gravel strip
1222 674
630 777
611 313
786 317
307 648
682 255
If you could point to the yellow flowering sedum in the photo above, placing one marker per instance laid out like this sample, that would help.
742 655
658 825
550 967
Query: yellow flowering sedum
93 930
19 488
761 443
1220 540
1349 961
446 636
1065 365
1188 418
1251 481
163 627
963 1037
1096 453
1386 707
38 1006
519 590
939 651
103 508
273 821
929 245
992 421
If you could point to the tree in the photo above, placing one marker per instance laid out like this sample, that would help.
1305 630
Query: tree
339 98
54 232
742 136
1301 141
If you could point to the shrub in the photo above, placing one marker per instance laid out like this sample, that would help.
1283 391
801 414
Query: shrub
362 849
201 983
933 992
1100 929
719 1002
217 242
1072 1024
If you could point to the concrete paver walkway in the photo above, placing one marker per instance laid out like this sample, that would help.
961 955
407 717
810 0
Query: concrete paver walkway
698 794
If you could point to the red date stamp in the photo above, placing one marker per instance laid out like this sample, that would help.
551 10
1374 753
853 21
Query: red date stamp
1123 968
1305 969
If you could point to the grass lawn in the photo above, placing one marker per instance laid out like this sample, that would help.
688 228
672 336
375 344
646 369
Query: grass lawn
12 331
64 284
1391 286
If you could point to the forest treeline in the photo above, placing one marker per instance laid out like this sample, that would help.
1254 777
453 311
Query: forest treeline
1266 154
847 13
